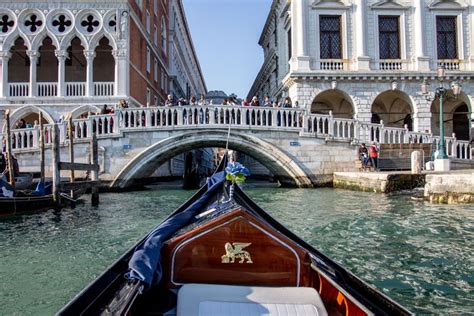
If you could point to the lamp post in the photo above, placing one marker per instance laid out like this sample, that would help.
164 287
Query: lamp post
442 94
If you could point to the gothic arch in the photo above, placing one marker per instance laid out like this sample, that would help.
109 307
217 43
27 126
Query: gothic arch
28 109
283 166
66 41
98 37
38 40
12 38
83 109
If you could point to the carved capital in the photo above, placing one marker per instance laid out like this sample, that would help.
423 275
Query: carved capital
120 53
33 54
90 54
5 55
61 54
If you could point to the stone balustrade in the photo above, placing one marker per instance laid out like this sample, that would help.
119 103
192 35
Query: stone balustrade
255 118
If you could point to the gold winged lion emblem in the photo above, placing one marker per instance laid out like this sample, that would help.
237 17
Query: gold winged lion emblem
235 250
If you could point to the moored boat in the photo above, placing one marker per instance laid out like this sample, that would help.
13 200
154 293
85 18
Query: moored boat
221 254
14 201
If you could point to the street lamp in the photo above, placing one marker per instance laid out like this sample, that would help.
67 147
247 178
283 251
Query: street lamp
442 94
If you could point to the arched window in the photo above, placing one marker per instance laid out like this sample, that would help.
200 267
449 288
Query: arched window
163 35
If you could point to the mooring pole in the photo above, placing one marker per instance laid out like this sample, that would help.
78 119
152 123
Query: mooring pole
56 171
95 172
11 170
41 144
71 152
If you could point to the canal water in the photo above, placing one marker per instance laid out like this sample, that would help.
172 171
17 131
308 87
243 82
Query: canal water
421 255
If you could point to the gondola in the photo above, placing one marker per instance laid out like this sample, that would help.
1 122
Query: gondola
29 201
221 254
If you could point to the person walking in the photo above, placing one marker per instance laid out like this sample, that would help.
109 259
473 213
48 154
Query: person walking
374 155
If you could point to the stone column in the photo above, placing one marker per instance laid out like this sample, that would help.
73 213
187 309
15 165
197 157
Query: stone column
33 55
300 60
422 115
90 55
61 55
421 60
121 72
363 61
471 34
5 56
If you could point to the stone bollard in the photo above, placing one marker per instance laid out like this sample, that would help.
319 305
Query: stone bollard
416 162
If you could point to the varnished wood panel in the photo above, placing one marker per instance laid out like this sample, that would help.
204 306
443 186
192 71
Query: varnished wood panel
196 257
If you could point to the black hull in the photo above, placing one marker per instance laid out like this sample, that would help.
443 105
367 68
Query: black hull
12 206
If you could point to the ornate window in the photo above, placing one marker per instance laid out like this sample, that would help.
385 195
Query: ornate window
33 23
6 23
389 37
61 23
90 23
330 37
446 37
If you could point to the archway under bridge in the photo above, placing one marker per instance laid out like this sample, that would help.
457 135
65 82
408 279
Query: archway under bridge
282 165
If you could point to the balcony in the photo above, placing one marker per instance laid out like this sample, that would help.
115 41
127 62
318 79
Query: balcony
332 64
390 64
449 64
50 89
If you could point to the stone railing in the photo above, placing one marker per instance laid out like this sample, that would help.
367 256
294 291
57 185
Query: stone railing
18 89
391 64
47 89
449 64
256 118
75 89
103 89
332 64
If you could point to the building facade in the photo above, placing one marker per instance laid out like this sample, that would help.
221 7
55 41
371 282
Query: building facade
366 59
62 57
186 79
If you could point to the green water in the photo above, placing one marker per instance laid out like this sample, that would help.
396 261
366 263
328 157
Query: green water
421 255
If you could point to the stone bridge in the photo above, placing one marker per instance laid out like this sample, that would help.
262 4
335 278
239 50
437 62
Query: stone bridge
299 148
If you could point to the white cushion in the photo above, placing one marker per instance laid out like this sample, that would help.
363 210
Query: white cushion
213 300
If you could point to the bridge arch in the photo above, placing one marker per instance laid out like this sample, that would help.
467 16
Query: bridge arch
282 165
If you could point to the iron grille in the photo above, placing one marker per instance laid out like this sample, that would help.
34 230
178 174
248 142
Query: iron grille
330 37
446 37
389 37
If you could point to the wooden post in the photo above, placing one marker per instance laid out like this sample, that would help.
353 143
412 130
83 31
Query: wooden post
95 172
11 170
71 151
56 171
41 144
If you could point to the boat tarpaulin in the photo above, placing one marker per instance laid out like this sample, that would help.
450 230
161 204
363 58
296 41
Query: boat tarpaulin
6 190
145 262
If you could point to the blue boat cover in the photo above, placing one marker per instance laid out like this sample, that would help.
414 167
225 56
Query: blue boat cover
145 262
6 190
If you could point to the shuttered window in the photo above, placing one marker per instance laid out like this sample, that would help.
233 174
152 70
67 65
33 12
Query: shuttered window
446 37
389 37
330 37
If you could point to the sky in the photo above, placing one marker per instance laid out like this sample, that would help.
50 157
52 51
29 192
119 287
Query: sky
225 34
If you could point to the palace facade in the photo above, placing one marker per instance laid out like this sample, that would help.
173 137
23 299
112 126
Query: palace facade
62 57
366 59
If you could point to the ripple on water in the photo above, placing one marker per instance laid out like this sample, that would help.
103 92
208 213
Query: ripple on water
419 254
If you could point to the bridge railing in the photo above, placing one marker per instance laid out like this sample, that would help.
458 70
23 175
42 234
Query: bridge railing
311 125
211 116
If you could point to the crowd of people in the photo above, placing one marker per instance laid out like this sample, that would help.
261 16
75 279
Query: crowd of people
267 102
369 156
